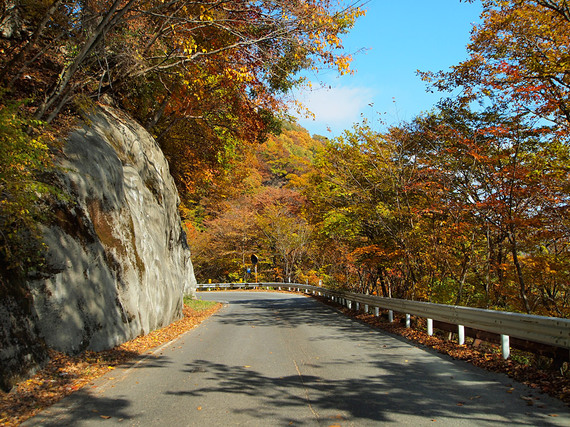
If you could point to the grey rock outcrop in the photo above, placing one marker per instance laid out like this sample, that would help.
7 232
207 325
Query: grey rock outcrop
118 262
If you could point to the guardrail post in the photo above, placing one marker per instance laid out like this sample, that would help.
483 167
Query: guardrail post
505 347
366 308
408 321
430 327
461 334
357 306
376 311
390 316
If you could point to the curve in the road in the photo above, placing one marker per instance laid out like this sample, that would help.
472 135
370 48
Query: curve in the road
281 359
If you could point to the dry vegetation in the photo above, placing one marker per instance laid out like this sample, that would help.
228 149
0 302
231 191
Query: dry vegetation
65 374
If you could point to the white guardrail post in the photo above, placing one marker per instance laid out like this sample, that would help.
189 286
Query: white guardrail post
505 348
461 334
552 331
430 327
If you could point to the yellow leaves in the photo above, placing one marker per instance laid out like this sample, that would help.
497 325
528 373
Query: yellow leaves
240 75
343 64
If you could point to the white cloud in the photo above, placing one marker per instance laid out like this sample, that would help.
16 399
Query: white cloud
336 108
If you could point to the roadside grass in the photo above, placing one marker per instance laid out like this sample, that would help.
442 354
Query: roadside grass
198 304
65 374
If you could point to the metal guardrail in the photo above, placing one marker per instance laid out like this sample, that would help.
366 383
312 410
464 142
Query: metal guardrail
540 329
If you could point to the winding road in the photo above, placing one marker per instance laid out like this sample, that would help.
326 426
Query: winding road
277 359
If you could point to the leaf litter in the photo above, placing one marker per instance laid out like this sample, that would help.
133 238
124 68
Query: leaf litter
65 374
550 381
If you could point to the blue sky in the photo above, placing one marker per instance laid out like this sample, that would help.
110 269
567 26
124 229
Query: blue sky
399 37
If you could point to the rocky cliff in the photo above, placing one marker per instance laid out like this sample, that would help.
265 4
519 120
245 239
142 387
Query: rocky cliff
117 263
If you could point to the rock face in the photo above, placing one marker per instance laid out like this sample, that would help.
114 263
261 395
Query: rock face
118 262
22 351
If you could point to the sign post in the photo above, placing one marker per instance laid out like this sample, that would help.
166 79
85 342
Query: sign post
254 260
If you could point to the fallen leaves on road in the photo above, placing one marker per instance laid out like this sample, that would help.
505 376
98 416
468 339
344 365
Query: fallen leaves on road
65 374
552 382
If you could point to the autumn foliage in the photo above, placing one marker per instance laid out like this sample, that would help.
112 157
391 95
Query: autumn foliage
208 78
466 204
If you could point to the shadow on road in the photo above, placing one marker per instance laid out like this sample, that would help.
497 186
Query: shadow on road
88 405
367 390
381 398
298 311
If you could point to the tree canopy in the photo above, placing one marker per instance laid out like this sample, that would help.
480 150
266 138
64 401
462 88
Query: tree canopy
465 204
205 77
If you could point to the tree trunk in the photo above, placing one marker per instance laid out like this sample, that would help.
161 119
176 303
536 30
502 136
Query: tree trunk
383 285
111 18
522 285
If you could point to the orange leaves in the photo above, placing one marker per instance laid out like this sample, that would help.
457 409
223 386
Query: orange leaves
519 55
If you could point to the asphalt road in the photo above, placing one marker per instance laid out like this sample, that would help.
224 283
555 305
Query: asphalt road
274 359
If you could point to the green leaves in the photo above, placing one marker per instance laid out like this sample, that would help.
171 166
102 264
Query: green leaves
22 159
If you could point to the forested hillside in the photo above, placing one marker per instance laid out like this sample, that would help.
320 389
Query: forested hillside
262 212
465 204
93 96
